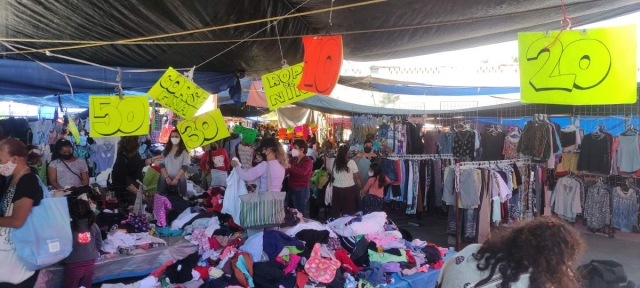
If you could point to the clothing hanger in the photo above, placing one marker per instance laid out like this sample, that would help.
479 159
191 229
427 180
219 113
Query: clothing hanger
630 131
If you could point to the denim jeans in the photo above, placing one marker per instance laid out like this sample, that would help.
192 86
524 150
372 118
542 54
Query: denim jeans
298 198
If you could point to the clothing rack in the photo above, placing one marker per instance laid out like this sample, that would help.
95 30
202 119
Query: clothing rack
477 164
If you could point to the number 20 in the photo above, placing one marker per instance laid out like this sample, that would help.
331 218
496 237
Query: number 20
583 64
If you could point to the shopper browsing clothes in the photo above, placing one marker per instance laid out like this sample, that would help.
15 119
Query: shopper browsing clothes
373 191
87 242
273 154
345 191
216 163
539 253
22 193
300 171
127 170
66 170
175 165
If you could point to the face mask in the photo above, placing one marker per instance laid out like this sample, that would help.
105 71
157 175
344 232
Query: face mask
263 155
66 156
7 169
295 153
367 149
82 133
214 148
175 141
370 174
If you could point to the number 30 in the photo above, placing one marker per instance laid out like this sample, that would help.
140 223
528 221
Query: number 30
582 65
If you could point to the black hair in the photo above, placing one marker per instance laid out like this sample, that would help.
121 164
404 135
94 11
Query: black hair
368 141
377 172
169 146
58 146
301 144
342 159
80 209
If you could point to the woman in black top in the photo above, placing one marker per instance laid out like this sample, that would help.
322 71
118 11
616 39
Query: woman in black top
127 170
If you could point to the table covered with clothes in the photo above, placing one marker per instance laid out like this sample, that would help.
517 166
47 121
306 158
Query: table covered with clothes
125 266
427 279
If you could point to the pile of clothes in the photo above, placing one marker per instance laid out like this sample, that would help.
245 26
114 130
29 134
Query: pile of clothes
352 251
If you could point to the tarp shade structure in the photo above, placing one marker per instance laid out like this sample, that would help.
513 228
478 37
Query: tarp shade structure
408 88
384 30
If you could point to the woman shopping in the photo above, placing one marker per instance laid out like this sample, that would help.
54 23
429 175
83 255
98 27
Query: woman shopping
22 193
127 170
273 154
373 191
300 171
66 170
216 163
175 165
345 191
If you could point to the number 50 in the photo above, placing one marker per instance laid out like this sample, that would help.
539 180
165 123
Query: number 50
583 64
123 117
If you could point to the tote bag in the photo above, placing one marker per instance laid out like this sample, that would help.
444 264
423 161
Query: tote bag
262 209
45 238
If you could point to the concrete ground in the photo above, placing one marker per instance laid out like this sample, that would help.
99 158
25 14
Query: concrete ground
624 249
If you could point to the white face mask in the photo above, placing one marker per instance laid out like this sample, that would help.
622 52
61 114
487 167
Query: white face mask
175 141
295 153
370 173
7 169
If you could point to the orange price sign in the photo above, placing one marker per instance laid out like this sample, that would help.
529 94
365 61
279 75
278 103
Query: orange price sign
322 64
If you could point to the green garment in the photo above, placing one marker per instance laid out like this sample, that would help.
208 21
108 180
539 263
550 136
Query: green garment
151 179
386 257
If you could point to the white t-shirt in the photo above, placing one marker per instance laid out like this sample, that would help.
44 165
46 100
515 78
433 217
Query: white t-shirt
344 179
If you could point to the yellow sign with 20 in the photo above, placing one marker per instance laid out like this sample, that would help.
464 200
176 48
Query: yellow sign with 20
109 116
203 129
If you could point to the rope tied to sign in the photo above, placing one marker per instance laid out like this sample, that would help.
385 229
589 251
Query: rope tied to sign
565 19
283 62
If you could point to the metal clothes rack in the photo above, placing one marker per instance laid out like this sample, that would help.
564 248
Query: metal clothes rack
477 164
419 157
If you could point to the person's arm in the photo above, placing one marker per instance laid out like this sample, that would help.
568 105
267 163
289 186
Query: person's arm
302 169
203 163
53 177
95 230
353 168
227 163
21 210
367 186
253 173
356 176
164 174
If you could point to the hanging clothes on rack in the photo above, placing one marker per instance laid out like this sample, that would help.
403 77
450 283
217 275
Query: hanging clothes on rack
595 152
625 208
492 144
566 201
510 146
597 208
464 145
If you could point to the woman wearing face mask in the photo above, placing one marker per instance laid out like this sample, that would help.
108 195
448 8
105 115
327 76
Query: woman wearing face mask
373 191
175 165
300 171
216 162
273 153
66 170
345 191
22 193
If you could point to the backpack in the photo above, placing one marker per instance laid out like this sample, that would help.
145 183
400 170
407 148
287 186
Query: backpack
604 274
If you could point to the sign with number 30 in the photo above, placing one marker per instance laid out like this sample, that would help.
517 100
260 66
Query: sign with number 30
109 116
579 67
203 129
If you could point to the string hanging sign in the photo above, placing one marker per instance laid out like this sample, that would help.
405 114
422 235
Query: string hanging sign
179 94
322 64
281 87
579 67
204 129
109 116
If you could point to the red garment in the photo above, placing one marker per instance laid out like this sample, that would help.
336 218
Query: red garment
156 273
204 271
438 265
213 243
301 277
410 257
300 172
218 158
215 201
236 242
398 173
156 167
347 264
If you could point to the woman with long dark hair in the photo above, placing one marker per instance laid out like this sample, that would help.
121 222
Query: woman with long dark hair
345 177
66 170
373 192
127 170
175 165
537 254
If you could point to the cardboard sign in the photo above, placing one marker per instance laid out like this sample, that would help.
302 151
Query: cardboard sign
596 66
248 135
281 87
74 130
178 94
322 64
109 116
204 129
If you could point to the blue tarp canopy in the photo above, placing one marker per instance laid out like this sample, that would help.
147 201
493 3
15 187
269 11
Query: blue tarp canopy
412 88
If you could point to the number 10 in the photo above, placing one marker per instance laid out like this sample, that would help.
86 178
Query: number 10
582 65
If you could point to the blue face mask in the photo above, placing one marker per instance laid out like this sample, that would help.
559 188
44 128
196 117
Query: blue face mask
142 148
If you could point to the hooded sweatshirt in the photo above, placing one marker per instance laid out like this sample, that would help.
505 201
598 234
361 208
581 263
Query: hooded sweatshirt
86 242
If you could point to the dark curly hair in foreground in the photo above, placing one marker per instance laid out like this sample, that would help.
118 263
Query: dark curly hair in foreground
544 247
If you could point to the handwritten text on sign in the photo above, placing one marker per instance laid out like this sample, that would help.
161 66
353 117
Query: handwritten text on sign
281 87
109 116
178 94
204 129
596 66
322 63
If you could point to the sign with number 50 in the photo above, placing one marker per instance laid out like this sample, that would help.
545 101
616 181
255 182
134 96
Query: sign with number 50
203 129
109 116
579 67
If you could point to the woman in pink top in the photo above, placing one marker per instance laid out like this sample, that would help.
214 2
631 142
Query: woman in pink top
373 201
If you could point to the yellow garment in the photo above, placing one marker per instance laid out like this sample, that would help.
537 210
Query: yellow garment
569 163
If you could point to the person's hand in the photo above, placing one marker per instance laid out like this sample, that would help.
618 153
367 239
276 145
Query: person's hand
360 154
235 163
132 189
168 180
362 194
174 182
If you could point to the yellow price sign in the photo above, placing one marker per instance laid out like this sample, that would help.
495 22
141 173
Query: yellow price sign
74 130
579 67
109 116
204 129
281 87
178 94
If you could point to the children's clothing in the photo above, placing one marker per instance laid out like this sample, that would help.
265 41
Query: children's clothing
160 206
